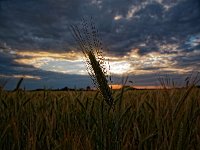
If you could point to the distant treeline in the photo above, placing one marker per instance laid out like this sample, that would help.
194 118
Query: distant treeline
88 88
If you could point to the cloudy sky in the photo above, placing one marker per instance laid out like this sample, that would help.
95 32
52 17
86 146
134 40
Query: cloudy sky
144 38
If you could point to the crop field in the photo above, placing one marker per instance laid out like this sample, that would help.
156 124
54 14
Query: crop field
139 119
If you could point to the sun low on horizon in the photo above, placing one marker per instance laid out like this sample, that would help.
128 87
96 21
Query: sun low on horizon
142 40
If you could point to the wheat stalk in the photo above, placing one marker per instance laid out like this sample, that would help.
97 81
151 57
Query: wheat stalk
88 39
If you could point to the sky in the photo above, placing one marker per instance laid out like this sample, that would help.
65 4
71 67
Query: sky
143 39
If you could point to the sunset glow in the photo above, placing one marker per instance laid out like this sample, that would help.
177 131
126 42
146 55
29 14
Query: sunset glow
73 63
118 87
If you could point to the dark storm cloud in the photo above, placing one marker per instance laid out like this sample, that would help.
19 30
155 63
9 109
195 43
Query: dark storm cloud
154 25
191 61
43 24
38 24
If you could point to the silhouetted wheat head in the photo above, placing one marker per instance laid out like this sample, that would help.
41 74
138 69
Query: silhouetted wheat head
87 37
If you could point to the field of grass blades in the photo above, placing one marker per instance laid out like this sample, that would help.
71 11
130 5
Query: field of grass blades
141 119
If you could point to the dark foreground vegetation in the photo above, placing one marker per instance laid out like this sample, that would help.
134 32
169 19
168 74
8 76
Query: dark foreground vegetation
140 119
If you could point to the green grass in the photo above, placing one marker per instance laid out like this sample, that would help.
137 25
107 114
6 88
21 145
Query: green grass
142 119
